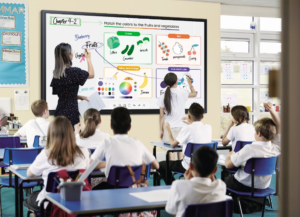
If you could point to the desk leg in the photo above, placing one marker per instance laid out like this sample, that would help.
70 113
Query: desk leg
21 199
154 151
16 196
167 168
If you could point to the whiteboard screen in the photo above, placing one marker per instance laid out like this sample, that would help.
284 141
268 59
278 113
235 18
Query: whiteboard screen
130 54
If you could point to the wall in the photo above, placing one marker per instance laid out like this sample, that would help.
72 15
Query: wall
144 127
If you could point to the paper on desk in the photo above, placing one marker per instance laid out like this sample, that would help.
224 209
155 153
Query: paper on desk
153 196
221 159
95 102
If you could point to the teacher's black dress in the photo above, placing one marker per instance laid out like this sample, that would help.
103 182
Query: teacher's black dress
67 89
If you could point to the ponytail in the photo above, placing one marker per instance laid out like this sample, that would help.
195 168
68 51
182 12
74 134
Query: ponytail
240 114
92 119
170 80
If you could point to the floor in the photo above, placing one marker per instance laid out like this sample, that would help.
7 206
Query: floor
8 203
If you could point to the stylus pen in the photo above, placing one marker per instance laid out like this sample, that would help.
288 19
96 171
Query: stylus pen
86 51
189 77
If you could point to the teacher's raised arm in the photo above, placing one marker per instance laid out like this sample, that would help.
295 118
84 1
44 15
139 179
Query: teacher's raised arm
66 81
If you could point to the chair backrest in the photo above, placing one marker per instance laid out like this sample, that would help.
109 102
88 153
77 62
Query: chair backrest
10 142
191 147
20 155
241 144
216 209
260 167
119 176
92 150
36 142
52 184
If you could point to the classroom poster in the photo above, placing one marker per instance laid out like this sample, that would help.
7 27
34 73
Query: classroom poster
14 61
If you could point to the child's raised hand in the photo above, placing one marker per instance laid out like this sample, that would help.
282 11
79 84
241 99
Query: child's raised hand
186 120
188 175
268 106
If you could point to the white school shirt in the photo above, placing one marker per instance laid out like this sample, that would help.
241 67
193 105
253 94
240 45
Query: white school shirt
41 166
178 99
121 150
242 132
256 150
92 141
196 132
195 190
30 130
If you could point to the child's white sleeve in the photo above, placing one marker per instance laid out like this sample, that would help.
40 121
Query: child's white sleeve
183 136
147 156
99 153
242 156
172 203
39 164
23 130
230 134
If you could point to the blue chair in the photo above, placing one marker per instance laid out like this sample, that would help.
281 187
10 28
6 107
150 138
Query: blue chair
258 167
191 147
238 146
119 176
216 209
14 156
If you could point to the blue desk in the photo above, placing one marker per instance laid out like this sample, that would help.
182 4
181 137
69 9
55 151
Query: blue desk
22 174
2 153
103 202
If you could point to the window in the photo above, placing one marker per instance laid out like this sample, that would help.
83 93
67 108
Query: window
245 63
234 22
270 24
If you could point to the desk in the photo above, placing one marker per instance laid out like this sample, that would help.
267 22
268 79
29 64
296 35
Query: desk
106 202
2 153
169 149
22 174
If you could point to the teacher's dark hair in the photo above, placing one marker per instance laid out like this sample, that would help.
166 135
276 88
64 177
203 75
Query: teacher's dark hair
170 79
120 120
63 60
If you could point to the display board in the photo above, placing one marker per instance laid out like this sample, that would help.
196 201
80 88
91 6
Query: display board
131 56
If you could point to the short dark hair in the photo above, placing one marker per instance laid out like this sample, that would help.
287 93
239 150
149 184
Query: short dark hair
205 160
196 111
120 120
266 127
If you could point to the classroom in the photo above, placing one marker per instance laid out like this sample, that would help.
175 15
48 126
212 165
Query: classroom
149 108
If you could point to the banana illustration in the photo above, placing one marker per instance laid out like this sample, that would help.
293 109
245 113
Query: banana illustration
144 84
115 76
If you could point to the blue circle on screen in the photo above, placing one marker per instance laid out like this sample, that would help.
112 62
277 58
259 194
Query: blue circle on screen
100 83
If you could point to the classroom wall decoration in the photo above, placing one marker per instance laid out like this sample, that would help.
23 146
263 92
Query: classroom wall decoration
130 54
14 69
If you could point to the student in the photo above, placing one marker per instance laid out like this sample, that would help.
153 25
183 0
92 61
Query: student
90 136
267 144
37 127
121 150
242 131
200 185
60 153
66 81
172 103
196 132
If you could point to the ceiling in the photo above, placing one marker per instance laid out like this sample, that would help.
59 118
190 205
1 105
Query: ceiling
258 3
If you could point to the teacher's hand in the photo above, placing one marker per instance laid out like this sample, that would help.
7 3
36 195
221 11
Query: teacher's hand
83 98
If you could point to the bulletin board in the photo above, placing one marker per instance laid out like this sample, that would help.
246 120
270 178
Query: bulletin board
14 70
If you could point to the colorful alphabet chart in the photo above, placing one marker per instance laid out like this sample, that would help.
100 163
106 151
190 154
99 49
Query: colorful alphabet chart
14 65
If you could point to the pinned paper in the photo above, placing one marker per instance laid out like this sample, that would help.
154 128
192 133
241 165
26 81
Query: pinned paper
227 70
21 99
264 97
245 71
229 99
264 69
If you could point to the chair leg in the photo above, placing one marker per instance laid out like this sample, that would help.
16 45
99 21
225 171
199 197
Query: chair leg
240 206
0 202
264 207
271 201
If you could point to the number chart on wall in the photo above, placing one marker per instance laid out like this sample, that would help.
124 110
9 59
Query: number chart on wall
130 54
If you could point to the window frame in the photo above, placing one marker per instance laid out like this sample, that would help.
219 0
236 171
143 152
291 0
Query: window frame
238 37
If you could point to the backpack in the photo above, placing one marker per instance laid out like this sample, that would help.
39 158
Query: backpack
55 210
141 183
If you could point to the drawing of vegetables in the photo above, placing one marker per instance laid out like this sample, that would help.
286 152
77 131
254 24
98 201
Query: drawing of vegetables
130 50
164 48
140 42
113 42
146 39
125 50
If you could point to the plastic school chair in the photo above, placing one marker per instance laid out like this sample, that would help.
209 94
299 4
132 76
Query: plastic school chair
258 167
14 156
8 142
216 209
51 187
119 176
36 142
239 145
191 147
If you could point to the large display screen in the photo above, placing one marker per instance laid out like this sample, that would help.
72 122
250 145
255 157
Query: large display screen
130 54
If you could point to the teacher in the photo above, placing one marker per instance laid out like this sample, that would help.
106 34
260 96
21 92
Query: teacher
66 81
